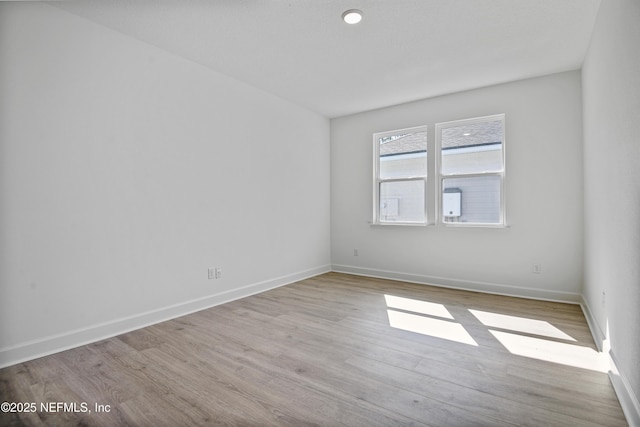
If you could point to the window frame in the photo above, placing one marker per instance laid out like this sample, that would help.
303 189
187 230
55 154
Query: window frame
378 181
440 177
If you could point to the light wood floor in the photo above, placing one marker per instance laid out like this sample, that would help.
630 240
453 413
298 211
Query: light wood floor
322 352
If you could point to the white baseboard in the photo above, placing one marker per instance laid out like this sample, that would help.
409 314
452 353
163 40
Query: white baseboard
626 396
467 285
53 344
597 333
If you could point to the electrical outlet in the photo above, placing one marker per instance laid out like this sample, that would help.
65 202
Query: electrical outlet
536 268
214 273
603 298
355 252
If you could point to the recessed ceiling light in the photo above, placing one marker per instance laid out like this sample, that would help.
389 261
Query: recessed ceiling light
352 16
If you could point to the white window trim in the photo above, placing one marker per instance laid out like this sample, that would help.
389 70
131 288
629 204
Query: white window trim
440 177
377 181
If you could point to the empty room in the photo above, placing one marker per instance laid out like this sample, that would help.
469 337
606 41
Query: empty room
336 213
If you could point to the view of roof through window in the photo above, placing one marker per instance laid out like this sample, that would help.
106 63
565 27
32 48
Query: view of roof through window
484 134
390 138
407 143
472 135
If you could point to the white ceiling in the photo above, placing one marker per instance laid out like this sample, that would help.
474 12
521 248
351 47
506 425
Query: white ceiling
403 50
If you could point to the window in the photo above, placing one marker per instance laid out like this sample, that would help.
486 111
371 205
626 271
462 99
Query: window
471 172
400 184
462 184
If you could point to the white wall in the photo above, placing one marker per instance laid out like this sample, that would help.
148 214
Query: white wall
611 84
126 172
543 195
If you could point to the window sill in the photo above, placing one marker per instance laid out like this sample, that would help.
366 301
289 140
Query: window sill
402 224
473 225
430 224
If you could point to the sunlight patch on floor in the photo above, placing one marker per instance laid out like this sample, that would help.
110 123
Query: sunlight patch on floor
429 326
417 306
520 324
552 351
435 320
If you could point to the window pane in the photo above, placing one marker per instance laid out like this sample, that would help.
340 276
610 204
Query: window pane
472 200
472 148
403 155
402 201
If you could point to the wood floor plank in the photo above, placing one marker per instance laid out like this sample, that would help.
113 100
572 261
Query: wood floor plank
329 351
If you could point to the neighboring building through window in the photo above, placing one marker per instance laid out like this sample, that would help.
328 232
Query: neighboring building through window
400 182
465 185
471 173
